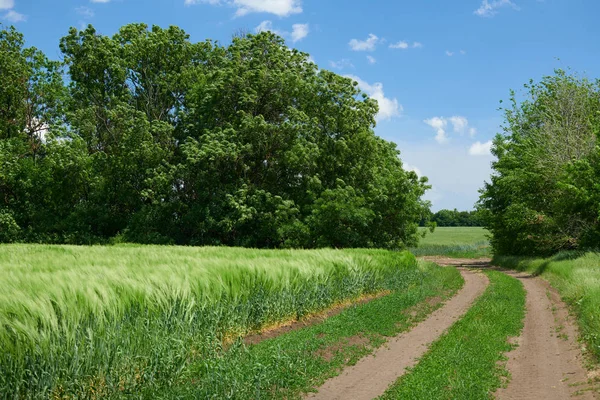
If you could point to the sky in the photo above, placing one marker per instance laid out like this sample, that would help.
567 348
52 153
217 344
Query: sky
438 68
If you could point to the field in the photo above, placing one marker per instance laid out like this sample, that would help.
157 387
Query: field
459 242
148 320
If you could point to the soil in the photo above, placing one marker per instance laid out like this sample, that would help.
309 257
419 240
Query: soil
548 363
372 375
278 330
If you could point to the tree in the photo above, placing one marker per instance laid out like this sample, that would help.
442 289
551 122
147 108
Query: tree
541 197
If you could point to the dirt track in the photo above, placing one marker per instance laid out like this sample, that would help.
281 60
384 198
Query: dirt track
547 364
372 375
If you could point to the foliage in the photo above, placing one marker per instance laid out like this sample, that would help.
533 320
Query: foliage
544 194
456 218
152 319
464 363
577 277
160 140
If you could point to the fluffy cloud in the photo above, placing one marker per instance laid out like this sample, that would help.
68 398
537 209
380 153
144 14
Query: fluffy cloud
266 26
408 167
11 16
299 32
454 175
406 45
481 149
388 108
489 9
6 4
459 124
371 60
281 8
364 45
439 124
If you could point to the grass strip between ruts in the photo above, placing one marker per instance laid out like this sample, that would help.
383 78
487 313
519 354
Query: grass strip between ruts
464 363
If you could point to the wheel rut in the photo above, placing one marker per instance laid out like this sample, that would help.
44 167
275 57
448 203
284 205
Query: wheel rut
372 375
547 364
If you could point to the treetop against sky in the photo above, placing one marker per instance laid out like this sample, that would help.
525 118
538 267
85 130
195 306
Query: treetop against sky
438 70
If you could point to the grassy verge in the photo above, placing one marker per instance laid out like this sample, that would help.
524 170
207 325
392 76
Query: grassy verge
87 322
294 363
463 364
456 242
577 277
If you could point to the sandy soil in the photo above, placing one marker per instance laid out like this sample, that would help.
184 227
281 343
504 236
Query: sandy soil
372 375
548 362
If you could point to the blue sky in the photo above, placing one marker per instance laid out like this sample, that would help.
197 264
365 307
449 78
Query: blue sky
439 68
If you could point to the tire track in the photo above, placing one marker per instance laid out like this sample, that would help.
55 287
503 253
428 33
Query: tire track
372 375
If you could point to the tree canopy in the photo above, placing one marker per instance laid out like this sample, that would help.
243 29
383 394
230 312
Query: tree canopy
156 139
544 195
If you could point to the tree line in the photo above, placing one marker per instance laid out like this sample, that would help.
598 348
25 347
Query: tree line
147 137
544 194
454 217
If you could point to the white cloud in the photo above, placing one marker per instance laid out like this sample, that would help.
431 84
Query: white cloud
439 124
281 8
388 108
6 4
489 9
85 11
449 53
371 60
400 45
266 26
299 32
408 167
364 45
100 1
481 149
14 17
341 64
462 52
403 44
454 175
459 124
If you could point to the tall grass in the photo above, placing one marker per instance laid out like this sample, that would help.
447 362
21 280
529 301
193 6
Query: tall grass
108 321
577 277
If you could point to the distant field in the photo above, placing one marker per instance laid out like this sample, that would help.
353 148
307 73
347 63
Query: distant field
454 242
88 322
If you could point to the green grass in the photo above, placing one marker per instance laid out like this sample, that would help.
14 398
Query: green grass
463 364
458 242
577 277
117 321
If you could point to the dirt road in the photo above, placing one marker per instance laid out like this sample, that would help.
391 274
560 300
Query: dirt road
547 364
372 375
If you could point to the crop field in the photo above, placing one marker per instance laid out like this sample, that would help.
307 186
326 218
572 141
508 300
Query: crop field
467 242
116 321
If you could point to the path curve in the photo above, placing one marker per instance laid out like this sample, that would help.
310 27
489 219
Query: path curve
372 375
548 362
